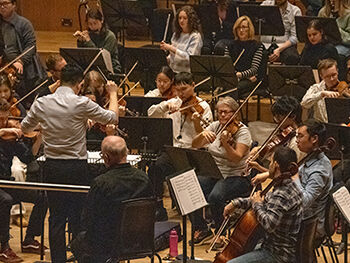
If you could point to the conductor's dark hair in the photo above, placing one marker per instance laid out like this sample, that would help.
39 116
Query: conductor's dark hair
183 78
284 156
71 74
284 105
314 127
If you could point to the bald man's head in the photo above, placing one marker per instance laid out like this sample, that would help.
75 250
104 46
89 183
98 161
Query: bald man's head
114 150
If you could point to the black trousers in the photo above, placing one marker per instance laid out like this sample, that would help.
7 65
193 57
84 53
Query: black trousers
64 206
158 171
9 197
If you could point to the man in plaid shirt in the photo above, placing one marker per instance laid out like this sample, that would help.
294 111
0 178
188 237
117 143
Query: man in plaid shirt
279 213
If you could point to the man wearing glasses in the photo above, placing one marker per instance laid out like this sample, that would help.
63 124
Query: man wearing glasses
314 97
18 36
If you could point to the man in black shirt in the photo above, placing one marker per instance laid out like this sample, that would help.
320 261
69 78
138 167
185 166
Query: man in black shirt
120 182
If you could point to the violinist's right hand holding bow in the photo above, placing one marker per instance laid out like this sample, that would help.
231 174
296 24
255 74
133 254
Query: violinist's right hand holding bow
260 178
83 36
228 210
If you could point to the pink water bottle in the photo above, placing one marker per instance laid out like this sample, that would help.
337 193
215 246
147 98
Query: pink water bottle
173 240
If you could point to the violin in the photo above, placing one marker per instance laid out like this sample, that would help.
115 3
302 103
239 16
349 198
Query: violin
342 88
13 123
279 139
14 111
191 106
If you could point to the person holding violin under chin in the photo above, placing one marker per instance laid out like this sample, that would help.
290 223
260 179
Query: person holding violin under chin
99 36
7 93
328 88
186 40
11 146
229 148
279 213
187 123
165 84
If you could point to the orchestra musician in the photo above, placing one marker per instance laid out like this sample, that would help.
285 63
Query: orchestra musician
230 151
186 40
314 97
99 36
315 177
10 147
186 125
18 35
63 118
280 109
247 66
119 183
279 213
7 93
54 64
164 82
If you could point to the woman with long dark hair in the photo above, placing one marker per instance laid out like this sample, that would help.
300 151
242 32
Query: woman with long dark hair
186 40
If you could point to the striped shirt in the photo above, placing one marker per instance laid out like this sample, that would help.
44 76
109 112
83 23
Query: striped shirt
253 70
280 215
186 45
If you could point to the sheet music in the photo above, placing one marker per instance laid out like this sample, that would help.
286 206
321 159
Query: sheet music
188 192
342 199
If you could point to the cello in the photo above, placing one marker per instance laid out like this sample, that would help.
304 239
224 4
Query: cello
248 231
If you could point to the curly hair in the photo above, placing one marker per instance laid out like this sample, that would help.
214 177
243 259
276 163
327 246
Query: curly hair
193 21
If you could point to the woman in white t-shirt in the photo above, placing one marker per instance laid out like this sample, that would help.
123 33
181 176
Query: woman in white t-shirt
230 152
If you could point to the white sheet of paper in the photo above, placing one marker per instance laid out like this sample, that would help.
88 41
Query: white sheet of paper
342 199
188 192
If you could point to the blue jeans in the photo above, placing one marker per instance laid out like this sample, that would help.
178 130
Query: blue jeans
256 256
217 192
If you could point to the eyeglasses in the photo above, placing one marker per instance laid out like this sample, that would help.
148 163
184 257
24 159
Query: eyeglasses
243 27
224 112
5 4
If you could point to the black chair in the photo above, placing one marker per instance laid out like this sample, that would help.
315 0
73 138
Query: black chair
135 234
329 227
305 242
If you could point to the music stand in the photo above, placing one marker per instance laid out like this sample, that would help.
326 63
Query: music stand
219 68
148 135
290 80
118 13
338 110
329 26
202 161
267 20
141 104
208 15
83 57
151 60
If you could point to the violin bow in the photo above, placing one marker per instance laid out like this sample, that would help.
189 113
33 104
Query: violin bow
201 82
126 93
166 27
239 108
30 92
239 56
271 135
125 78
16 58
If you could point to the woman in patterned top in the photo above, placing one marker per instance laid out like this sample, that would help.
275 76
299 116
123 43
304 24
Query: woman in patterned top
186 40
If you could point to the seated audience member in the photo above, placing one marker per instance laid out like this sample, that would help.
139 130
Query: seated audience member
283 48
314 97
186 40
317 46
215 41
164 82
230 152
248 64
100 220
279 213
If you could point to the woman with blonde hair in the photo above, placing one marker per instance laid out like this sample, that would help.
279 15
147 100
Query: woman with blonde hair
248 64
